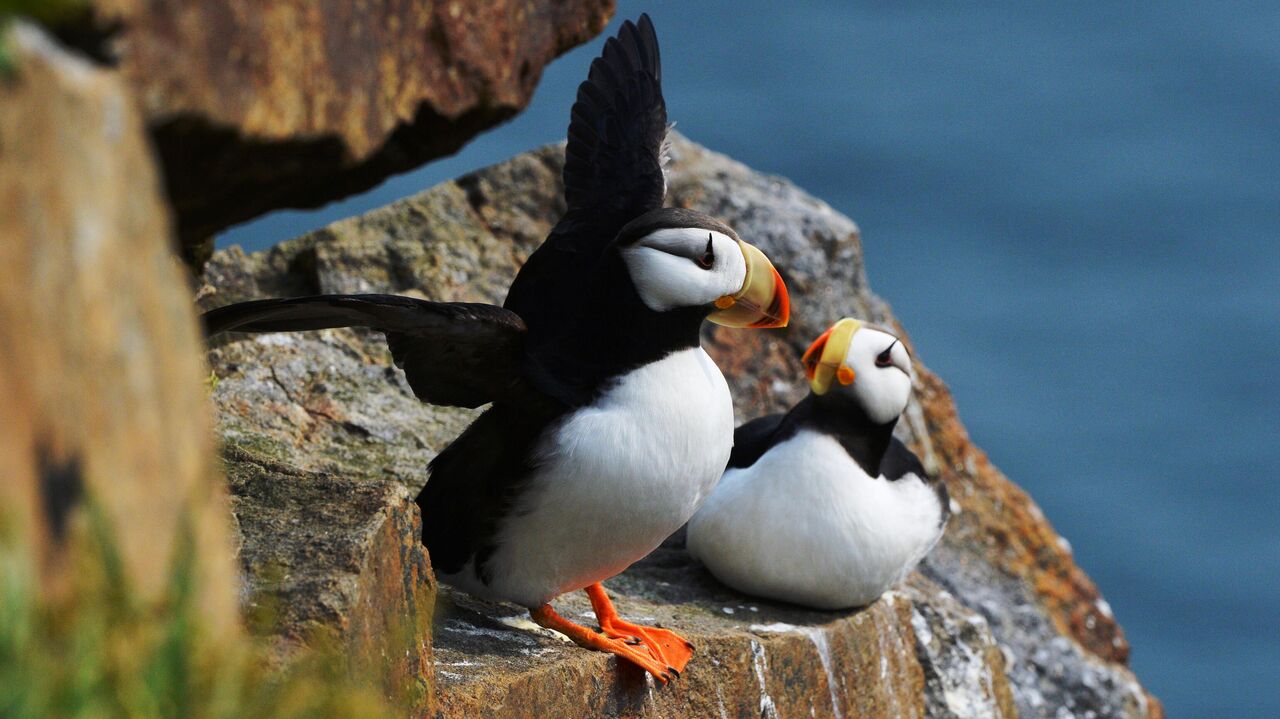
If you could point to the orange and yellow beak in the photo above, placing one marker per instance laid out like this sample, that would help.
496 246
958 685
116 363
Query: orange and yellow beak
762 303
824 360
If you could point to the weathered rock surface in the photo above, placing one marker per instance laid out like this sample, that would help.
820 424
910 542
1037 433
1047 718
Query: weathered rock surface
915 653
336 559
258 106
999 622
101 397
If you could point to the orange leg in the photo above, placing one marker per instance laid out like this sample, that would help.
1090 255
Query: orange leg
545 616
666 646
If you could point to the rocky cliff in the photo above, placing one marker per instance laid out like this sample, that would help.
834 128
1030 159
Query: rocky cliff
186 117
325 446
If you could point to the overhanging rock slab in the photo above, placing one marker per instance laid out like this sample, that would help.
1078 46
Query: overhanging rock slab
293 103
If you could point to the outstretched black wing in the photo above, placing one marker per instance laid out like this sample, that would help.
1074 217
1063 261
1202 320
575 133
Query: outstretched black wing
612 171
453 353
613 161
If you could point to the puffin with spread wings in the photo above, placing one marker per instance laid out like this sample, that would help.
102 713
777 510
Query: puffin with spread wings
609 424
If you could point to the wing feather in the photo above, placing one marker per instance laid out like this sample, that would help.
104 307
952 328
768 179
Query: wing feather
453 353
752 439
613 171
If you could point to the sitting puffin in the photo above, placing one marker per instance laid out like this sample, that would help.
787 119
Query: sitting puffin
609 424
822 506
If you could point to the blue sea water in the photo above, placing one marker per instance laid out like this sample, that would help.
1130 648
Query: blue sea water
1075 209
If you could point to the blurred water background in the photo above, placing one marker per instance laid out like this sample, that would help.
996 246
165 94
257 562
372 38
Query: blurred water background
1075 209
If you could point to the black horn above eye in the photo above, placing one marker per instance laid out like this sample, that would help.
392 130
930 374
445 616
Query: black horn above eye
885 359
708 258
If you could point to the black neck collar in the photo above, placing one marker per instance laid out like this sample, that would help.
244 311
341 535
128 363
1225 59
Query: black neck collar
839 416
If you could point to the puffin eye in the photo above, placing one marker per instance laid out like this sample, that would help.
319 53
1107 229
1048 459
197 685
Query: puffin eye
885 359
708 257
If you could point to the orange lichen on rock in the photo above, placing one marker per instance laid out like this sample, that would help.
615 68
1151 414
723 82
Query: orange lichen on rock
1024 543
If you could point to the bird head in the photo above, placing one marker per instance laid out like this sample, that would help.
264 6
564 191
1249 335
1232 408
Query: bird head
681 258
864 362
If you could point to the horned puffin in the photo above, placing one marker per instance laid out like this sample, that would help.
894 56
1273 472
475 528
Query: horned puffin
822 506
609 424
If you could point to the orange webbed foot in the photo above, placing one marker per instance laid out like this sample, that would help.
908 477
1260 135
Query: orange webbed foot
545 616
664 645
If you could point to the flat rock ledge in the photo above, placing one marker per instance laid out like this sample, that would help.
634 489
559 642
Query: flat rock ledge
325 446
914 653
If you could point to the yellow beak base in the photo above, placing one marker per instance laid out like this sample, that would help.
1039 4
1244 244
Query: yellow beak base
824 360
762 303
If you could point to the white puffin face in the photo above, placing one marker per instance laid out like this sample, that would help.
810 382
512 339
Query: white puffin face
881 374
679 267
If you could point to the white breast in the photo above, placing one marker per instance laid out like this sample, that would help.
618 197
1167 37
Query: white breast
805 524
617 478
